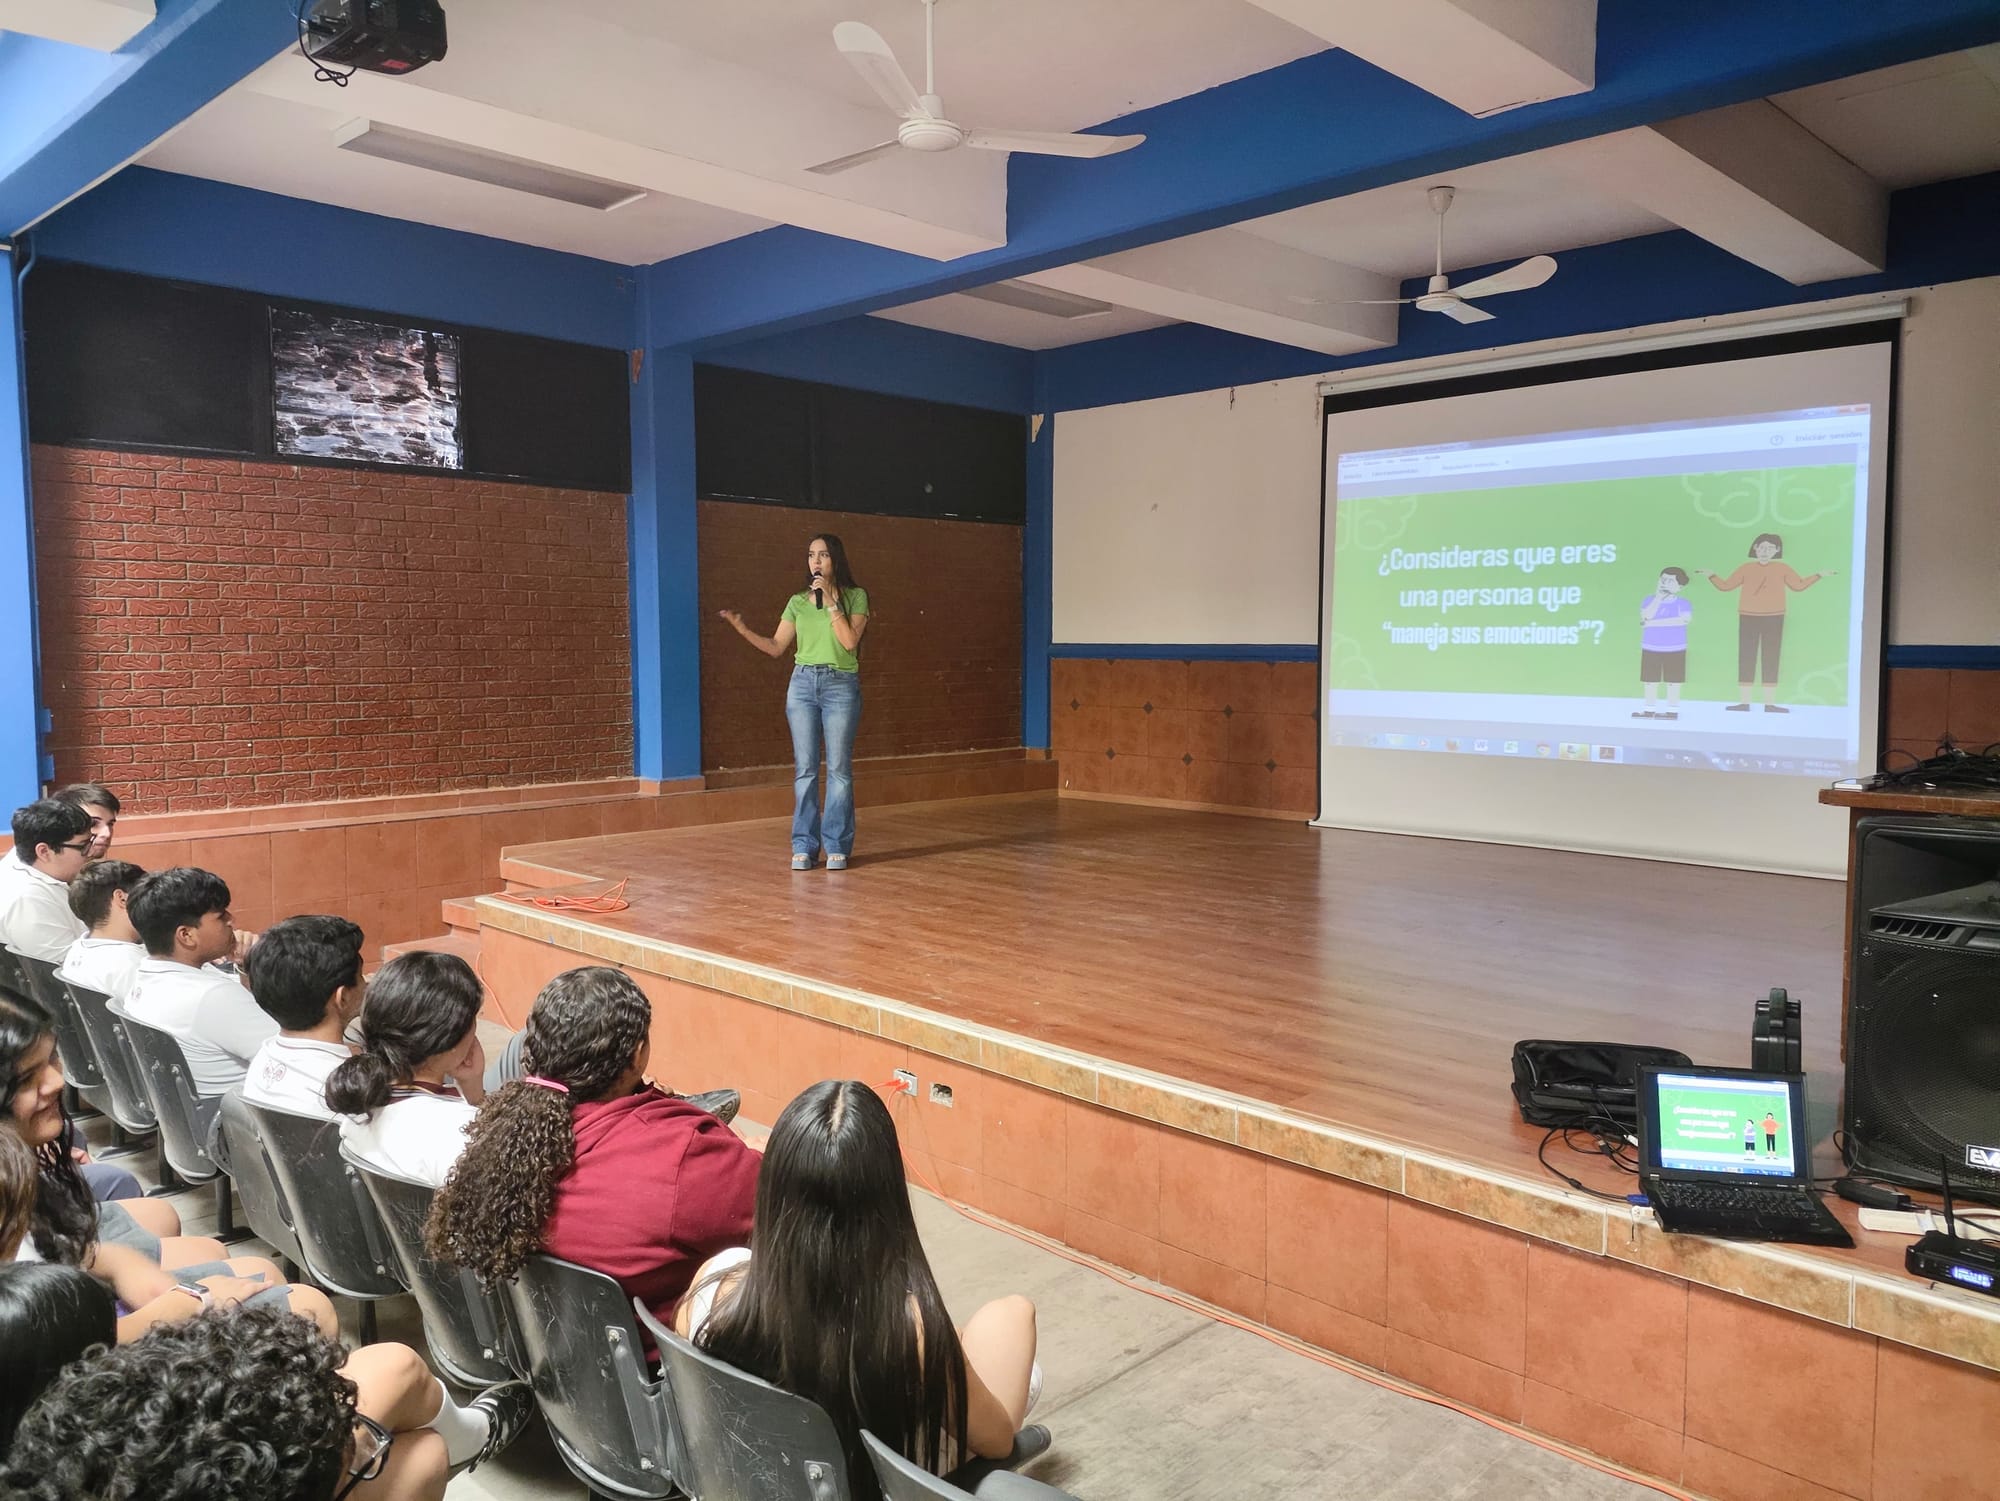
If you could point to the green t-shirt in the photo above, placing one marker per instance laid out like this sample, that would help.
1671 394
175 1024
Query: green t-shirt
818 646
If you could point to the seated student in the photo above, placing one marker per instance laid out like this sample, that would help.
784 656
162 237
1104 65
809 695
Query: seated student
50 1317
182 916
583 1158
419 1027
157 1279
101 803
109 954
251 1405
51 844
835 1300
306 974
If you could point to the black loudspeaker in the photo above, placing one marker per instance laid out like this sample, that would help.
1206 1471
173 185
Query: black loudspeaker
1923 1018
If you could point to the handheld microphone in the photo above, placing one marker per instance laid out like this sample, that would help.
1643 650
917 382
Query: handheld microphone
819 602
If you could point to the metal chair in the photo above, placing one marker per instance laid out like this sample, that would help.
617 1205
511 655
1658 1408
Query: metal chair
80 1062
903 1480
12 976
256 1181
742 1438
186 1119
612 1423
469 1331
345 1248
124 1078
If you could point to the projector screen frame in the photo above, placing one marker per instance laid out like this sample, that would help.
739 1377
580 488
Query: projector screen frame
1883 328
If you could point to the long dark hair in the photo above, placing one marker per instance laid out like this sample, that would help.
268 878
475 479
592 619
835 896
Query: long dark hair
49 1316
824 1307
584 1030
65 1224
843 576
1771 537
420 1004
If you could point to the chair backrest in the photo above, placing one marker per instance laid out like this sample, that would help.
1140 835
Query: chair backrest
469 1331
185 1117
79 1055
744 1440
12 975
124 1080
905 1480
612 1423
257 1189
345 1248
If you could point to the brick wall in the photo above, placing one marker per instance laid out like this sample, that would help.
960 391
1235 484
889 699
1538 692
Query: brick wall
219 633
1220 734
941 664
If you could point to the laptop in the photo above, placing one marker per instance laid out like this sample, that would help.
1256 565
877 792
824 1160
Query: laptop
1726 1152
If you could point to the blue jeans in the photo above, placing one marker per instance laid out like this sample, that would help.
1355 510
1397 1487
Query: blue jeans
823 704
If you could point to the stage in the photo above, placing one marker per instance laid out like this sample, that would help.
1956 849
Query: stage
1259 1061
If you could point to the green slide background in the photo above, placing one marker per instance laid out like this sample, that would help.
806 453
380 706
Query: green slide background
1684 521
1740 1103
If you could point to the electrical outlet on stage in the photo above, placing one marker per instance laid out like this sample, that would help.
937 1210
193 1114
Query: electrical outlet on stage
941 1095
906 1080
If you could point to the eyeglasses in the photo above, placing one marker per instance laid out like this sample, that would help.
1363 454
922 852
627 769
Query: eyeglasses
78 848
371 1453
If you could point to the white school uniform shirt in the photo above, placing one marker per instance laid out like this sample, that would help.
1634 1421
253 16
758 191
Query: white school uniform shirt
218 1025
34 912
416 1135
290 1073
106 964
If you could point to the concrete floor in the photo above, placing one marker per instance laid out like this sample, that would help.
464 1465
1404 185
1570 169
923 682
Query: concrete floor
1145 1398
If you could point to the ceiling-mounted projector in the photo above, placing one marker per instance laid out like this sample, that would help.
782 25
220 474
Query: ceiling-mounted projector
377 36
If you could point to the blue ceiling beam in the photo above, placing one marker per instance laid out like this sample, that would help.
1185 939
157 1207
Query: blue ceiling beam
69 116
1322 127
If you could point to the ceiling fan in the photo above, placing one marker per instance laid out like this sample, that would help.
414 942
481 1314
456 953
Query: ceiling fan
925 126
1456 302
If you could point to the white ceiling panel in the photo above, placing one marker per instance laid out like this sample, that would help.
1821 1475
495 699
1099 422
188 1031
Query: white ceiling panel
282 147
1922 122
1024 330
1521 206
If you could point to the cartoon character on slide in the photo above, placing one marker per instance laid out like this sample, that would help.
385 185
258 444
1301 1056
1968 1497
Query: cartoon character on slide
1749 1136
1764 581
1770 1124
1663 644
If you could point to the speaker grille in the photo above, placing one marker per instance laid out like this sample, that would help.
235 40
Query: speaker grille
1923 1056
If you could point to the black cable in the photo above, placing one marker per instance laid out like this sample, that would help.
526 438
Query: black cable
1607 1143
1951 769
321 72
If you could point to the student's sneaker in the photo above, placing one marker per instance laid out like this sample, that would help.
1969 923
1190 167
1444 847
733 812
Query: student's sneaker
1034 1387
720 1103
802 862
508 1407
836 862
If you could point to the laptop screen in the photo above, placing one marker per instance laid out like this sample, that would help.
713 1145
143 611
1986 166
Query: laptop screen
1738 1123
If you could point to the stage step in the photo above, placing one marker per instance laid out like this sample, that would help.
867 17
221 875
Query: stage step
461 913
465 945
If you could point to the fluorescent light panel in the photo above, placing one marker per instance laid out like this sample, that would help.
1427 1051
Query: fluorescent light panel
1032 299
434 154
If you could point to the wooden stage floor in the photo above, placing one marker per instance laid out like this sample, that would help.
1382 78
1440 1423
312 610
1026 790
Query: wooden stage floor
1373 981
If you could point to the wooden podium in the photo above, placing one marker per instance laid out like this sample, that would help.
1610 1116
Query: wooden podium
1861 801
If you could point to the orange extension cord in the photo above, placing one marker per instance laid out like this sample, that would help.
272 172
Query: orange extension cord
611 899
898 1092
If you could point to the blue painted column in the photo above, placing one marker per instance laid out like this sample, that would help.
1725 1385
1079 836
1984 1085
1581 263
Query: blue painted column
20 698
660 552
1038 573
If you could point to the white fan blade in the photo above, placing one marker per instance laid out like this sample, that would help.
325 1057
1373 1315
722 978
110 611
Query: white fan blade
1050 143
1465 312
855 158
864 48
1530 273
1350 301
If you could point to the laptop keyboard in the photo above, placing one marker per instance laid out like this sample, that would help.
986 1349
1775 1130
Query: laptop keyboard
1765 1203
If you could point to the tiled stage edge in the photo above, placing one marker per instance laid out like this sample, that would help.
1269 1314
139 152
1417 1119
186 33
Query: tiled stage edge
1938 1321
